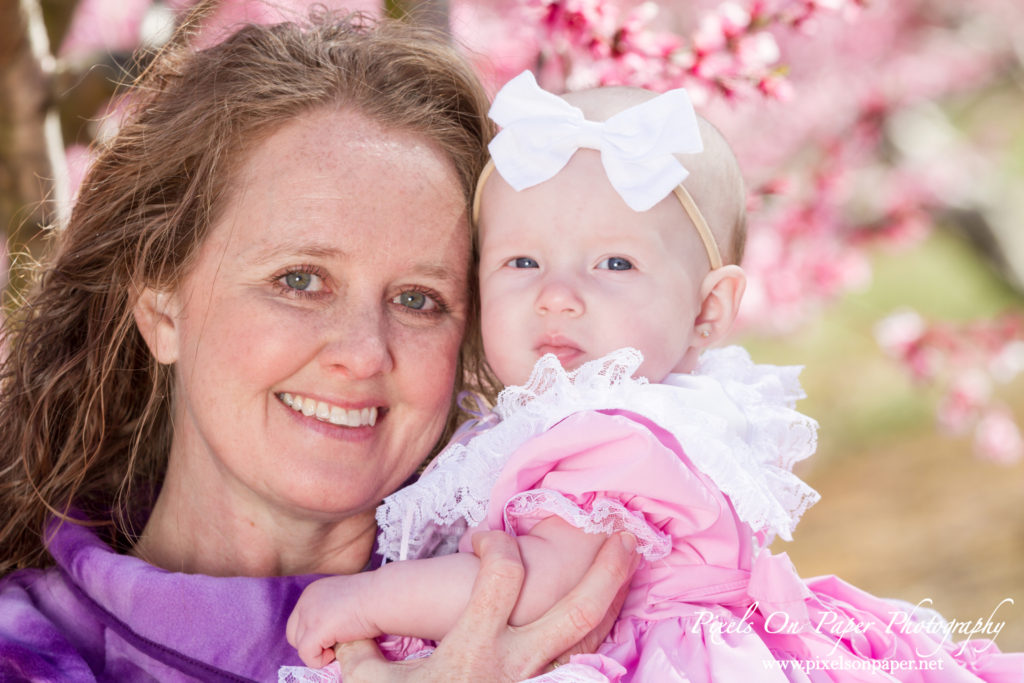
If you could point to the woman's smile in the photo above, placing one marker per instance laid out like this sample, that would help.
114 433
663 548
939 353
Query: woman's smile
352 425
326 412
312 240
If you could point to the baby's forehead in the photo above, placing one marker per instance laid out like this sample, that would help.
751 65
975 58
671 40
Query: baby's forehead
580 196
715 181
600 104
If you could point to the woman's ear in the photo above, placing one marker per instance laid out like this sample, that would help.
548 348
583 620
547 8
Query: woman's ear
721 292
156 315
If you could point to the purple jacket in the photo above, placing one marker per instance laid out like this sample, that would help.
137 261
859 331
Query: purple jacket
101 616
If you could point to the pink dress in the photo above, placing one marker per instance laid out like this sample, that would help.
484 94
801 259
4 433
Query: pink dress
699 469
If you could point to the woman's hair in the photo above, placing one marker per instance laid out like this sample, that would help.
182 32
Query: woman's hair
84 407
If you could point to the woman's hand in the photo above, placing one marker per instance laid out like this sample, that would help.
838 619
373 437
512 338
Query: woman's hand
483 647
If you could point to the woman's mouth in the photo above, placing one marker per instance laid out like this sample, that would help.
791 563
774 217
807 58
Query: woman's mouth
326 412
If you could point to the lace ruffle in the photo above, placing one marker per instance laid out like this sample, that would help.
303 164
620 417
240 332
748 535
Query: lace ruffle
429 517
735 420
394 648
571 673
754 467
604 517
301 674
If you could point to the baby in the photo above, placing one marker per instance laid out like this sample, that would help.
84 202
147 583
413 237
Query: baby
609 239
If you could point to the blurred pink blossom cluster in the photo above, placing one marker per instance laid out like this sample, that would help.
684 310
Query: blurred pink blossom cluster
732 51
832 109
812 227
831 106
967 362
862 156
817 96
105 26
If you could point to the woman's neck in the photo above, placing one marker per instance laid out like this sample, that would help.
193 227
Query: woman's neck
228 535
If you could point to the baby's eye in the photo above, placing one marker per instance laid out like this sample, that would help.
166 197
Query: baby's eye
615 263
416 300
522 262
303 281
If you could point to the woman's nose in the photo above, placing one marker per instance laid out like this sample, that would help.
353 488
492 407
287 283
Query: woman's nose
559 297
358 345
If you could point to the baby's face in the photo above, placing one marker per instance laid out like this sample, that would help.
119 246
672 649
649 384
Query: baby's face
566 267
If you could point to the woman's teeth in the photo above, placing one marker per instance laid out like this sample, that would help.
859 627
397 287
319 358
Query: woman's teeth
325 412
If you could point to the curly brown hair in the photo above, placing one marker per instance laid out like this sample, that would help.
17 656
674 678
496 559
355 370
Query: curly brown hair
84 407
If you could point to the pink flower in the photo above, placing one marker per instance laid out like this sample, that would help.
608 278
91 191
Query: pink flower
231 14
104 26
967 397
898 332
78 159
997 437
710 35
1008 362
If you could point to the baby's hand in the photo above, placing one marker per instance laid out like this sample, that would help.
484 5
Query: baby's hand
331 610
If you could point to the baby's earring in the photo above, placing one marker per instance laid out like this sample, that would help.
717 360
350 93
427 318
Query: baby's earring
705 333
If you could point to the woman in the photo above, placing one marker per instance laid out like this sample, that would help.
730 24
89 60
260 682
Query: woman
249 334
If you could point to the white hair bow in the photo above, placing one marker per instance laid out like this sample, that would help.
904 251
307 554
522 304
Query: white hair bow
541 131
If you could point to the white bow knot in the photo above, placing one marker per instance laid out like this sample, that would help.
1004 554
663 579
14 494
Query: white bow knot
541 131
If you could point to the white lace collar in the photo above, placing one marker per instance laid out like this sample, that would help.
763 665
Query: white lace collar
735 421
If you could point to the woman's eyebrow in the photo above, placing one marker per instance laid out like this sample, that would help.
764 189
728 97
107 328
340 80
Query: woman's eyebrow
314 251
435 271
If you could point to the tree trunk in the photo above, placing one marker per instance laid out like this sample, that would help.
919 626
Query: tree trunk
33 185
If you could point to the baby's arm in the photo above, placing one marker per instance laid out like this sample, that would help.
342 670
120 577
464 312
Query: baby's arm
424 598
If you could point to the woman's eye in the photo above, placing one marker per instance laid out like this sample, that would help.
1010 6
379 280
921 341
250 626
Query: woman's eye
615 263
418 301
522 262
302 281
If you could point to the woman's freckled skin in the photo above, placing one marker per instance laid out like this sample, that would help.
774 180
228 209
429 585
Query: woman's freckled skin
311 202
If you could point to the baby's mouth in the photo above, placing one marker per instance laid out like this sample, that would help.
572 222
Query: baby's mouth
566 354
326 412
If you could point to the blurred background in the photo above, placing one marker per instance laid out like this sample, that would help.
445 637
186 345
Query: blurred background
883 143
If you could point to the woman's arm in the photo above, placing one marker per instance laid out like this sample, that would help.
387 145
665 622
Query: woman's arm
425 598
482 646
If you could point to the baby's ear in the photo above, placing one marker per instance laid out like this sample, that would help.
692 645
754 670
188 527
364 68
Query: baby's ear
721 292
156 315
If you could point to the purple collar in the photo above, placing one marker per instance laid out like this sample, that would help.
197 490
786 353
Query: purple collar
120 614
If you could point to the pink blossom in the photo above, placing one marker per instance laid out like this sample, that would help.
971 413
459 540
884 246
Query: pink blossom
104 26
710 35
1008 362
898 332
78 159
997 437
967 396
231 14
963 361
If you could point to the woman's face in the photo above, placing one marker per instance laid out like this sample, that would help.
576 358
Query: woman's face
315 339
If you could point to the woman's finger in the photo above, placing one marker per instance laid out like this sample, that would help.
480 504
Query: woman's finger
596 636
482 647
477 647
498 583
361 660
580 621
